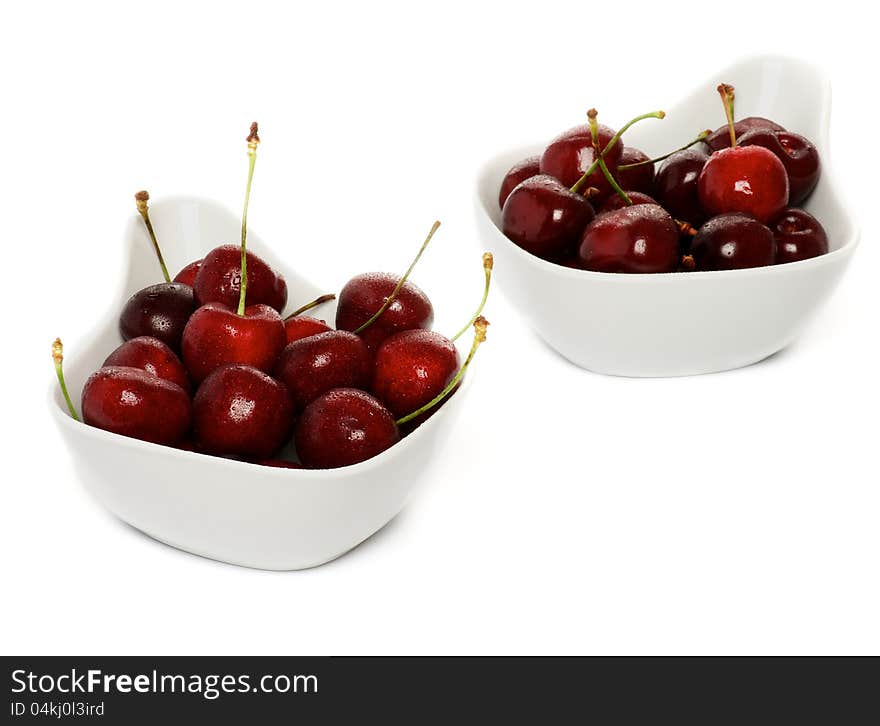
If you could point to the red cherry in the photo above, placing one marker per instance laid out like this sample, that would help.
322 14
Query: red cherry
676 185
618 202
720 138
641 238
302 326
639 178
519 172
239 410
219 279
571 154
342 427
132 402
799 157
159 311
748 179
153 356
216 335
733 241
545 217
799 236
187 275
314 365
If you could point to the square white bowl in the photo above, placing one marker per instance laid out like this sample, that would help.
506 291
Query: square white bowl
244 514
680 324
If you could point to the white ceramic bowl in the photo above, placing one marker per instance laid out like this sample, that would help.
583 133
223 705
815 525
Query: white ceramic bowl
256 516
683 323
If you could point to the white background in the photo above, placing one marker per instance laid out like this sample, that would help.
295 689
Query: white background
571 513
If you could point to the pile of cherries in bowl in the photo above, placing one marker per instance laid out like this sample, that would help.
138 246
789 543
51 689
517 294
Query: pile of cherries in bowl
210 365
727 200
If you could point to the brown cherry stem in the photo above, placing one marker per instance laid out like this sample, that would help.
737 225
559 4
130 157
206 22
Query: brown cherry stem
313 304
253 140
480 325
635 165
726 91
488 263
397 288
58 357
140 199
594 132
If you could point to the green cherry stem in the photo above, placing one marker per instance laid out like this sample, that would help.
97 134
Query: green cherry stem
725 90
480 325
397 288
702 137
253 140
58 357
141 199
594 132
313 304
488 262
611 144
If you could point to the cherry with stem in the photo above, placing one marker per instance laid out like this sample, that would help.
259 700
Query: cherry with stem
480 326
488 262
58 358
320 300
701 137
141 198
397 288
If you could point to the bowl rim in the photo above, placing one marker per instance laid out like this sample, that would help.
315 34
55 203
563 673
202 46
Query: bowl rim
491 165
63 418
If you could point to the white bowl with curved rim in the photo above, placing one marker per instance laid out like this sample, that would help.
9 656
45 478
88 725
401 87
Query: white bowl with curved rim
244 514
679 324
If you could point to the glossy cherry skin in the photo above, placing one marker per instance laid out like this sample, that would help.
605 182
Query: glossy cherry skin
639 239
153 356
544 217
797 154
216 335
302 326
365 294
677 188
720 137
519 172
748 179
132 402
798 235
571 153
219 280
618 202
316 364
187 275
342 427
639 178
733 241
239 410
160 311
412 368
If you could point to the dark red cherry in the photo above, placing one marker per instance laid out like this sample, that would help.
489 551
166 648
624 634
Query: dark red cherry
720 138
159 311
797 154
748 179
733 241
641 238
314 365
239 410
638 178
187 275
216 335
365 294
219 280
571 154
302 326
799 236
153 356
676 185
519 172
412 368
618 202
545 217
132 402
342 427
